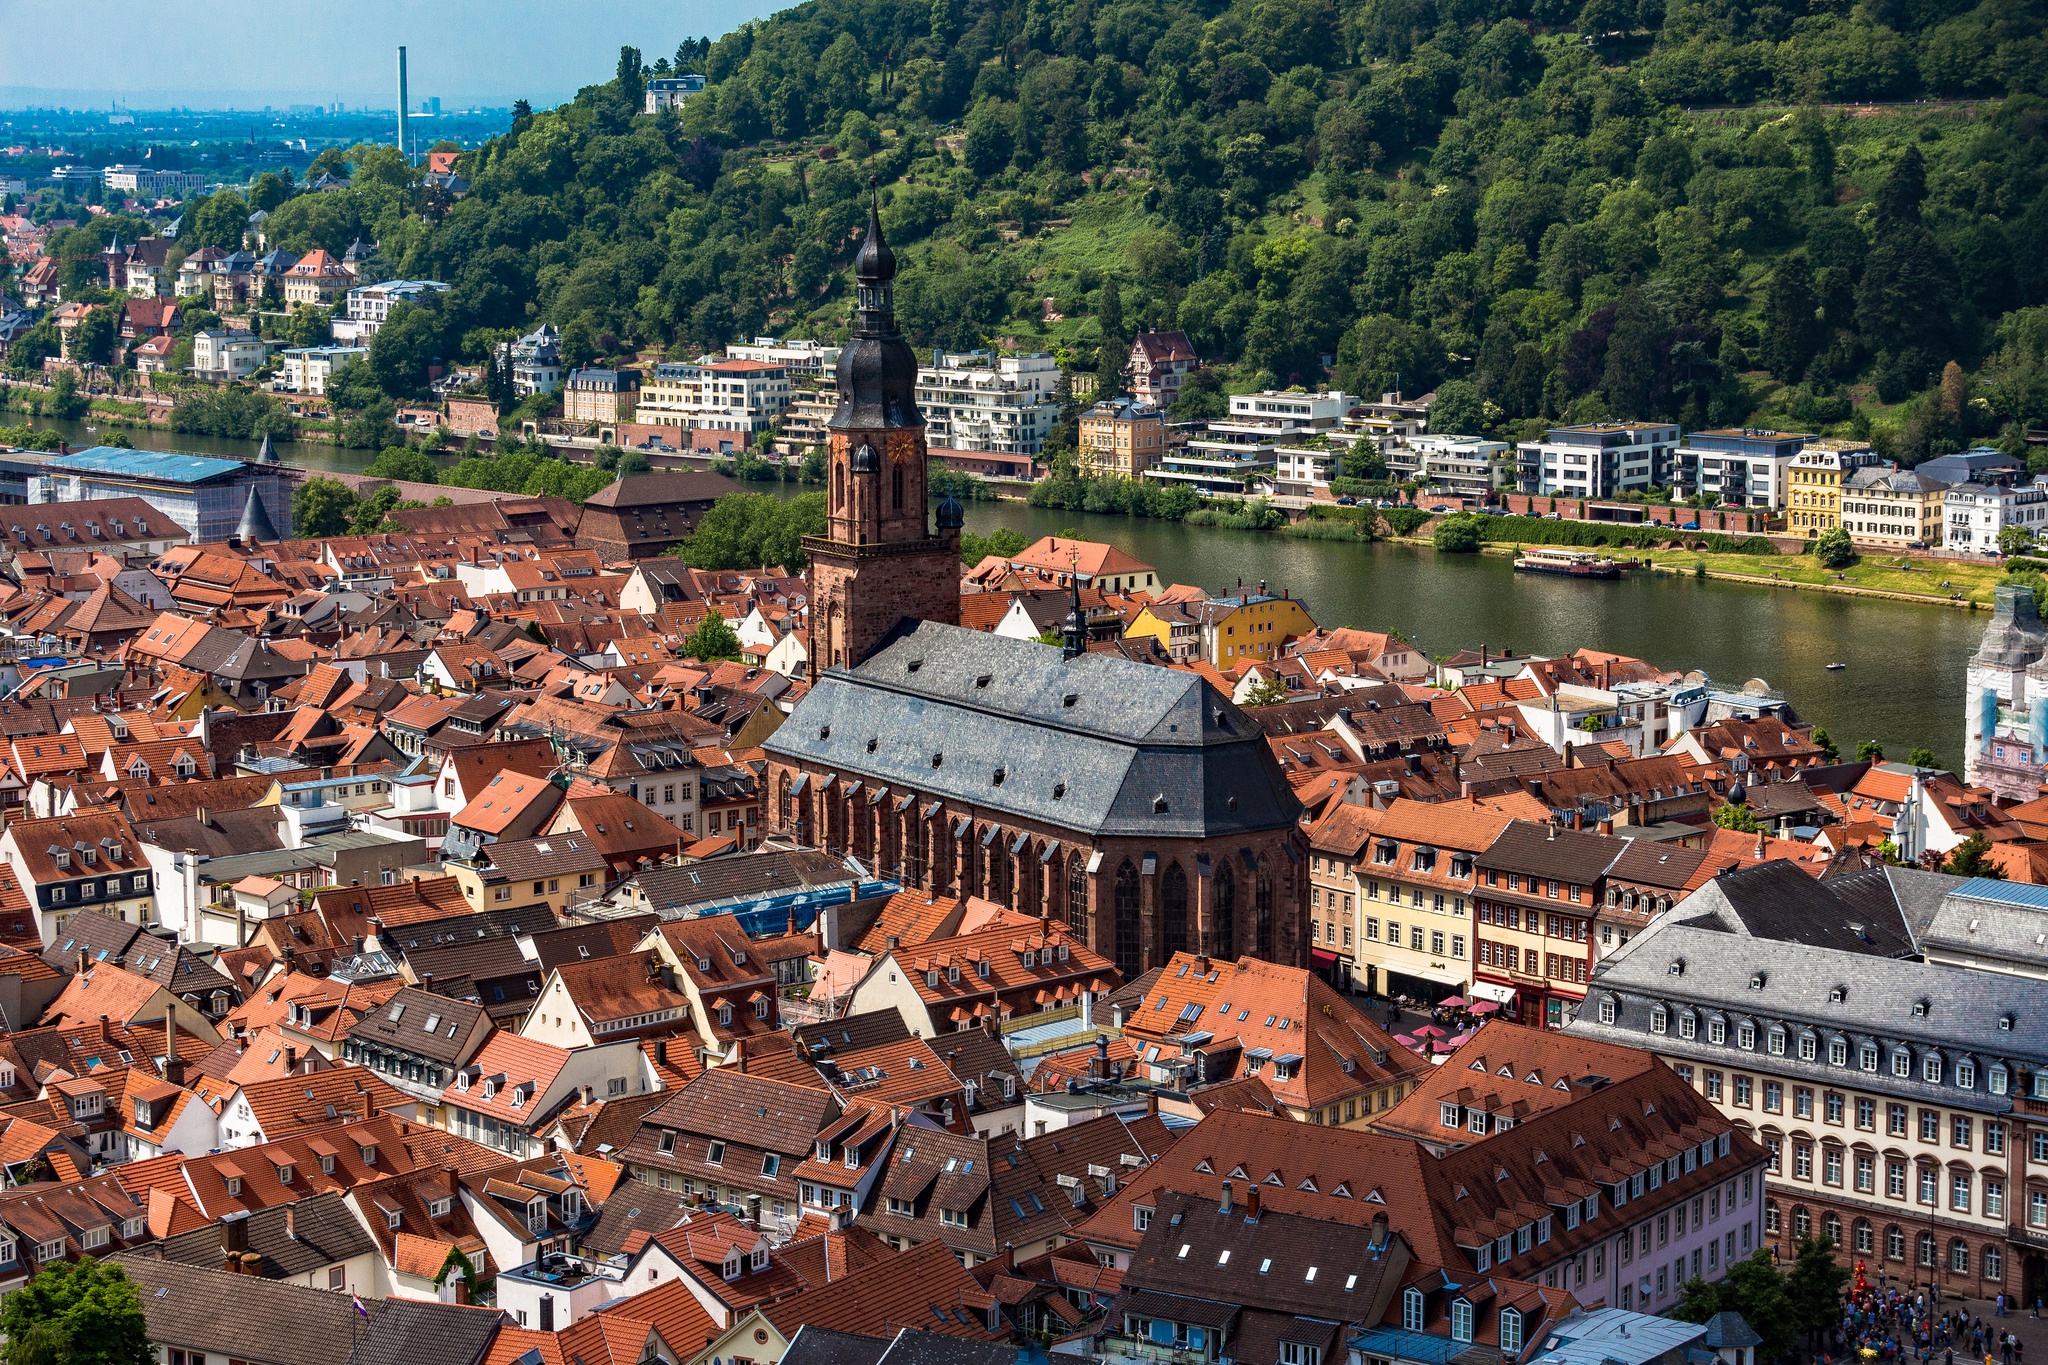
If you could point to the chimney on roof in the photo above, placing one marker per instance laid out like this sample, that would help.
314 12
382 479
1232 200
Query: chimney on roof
291 1228
1251 1202
1606 826
1226 1206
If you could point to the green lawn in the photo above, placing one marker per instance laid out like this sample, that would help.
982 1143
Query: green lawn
1880 573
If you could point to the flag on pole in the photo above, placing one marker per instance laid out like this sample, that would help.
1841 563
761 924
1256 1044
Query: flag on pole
360 1310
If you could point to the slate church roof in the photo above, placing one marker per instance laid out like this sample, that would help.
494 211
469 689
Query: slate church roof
1091 743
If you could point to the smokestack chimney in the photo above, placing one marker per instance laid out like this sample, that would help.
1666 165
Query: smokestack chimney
291 1227
1251 1203
404 144
1227 1205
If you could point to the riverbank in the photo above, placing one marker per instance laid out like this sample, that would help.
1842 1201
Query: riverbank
1866 578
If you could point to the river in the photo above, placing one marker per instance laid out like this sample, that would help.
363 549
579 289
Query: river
1903 685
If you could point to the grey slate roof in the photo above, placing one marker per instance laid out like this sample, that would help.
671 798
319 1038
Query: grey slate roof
822 1346
323 1232
747 877
1857 913
257 1319
912 1347
450 1040
1092 743
1991 919
1879 996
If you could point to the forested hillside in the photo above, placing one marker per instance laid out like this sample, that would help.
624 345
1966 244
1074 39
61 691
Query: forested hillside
1521 201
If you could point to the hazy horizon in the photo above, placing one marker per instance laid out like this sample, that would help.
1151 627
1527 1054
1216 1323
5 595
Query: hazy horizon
242 55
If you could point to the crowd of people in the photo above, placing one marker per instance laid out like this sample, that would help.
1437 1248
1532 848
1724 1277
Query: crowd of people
1892 1324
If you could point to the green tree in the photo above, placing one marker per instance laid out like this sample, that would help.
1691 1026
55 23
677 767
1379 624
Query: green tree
2015 540
1458 409
1834 549
750 530
1002 541
65 399
1923 757
403 462
1828 752
1459 534
322 507
1814 1285
86 1312
94 339
1266 692
713 639
1972 858
1870 751
1738 817
1755 1288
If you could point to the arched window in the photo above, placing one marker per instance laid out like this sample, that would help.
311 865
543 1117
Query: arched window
998 869
1994 1261
1262 910
1173 908
913 850
1028 898
1223 914
942 858
1895 1243
1928 1251
1959 1256
1866 1242
1129 957
1831 1227
839 487
896 487
1077 895
1802 1221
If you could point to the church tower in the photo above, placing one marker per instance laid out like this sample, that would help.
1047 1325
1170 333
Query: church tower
877 561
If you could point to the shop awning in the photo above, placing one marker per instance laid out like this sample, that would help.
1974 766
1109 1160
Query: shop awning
1488 990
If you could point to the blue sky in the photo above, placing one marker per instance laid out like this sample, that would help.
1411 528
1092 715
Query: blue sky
248 53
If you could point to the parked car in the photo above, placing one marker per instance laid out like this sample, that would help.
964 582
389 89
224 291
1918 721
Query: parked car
1439 508
1690 526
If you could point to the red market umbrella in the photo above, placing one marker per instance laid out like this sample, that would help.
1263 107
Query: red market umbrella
1440 1047
1451 1002
1460 1039
1429 1031
1485 1007
1404 1040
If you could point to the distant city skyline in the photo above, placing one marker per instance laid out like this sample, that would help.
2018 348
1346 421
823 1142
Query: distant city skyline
244 55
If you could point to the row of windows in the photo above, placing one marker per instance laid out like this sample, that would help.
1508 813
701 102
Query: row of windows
87 891
1781 1040
1863 1238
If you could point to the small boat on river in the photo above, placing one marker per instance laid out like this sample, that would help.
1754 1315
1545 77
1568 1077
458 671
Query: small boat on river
1567 563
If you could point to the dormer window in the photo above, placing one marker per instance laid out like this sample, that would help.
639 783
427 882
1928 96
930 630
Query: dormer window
368 1153
234 1187
1461 1320
438 1208
1411 1309
732 1266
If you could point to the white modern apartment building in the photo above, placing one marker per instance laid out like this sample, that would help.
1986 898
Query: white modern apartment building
736 395
975 400
1463 465
801 357
1264 432
222 355
1977 512
1746 466
1603 459
305 369
149 180
368 305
